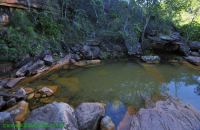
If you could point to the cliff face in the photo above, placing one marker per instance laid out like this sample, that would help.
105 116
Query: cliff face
23 3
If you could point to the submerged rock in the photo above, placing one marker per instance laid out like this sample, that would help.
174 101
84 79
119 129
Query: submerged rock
151 59
59 113
166 115
107 124
89 115
46 91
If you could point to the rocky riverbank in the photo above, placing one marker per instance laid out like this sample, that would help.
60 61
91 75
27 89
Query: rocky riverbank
165 115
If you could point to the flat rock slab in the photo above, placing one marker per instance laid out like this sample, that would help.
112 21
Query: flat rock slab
166 115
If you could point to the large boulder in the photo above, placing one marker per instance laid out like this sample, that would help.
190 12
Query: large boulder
195 45
89 115
56 114
170 115
166 115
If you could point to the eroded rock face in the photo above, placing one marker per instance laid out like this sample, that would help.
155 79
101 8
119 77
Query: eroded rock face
166 115
89 115
60 113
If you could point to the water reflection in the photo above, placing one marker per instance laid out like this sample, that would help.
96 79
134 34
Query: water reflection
116 110
125 87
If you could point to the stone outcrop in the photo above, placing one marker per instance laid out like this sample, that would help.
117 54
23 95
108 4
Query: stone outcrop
89 115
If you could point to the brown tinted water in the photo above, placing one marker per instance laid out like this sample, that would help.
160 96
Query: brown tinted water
123 85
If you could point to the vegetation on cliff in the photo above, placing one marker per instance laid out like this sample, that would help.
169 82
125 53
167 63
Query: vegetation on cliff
66 22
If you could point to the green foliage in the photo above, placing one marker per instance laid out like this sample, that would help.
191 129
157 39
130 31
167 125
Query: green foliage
73 21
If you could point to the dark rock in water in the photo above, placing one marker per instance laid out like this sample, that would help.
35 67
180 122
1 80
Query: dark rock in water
12 82
135 49
184 49
91 52
151 59
166 115
60 113
48 60
2 102
195 45
5 118
89 115
107 123
193 59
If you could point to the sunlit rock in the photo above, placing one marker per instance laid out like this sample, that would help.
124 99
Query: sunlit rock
19 111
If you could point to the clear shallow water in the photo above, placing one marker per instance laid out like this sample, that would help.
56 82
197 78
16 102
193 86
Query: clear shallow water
124 86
